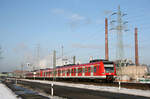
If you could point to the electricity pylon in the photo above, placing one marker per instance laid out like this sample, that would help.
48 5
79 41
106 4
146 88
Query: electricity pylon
119 28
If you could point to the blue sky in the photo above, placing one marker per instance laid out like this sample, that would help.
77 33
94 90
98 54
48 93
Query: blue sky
78 25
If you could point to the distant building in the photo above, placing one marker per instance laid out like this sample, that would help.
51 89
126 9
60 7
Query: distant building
3 75
148 68
134 72
125 62
19 73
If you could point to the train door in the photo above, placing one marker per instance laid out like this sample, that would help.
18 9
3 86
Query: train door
59 73
76 71
49 73
45 73
68 71
99 70
95 70
79 71
83 71
88 71
92 67
72 72
41 73
65 72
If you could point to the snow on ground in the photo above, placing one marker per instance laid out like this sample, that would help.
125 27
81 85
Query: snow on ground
99 88
6 93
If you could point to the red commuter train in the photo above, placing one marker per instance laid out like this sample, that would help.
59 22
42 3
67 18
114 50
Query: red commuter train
100 70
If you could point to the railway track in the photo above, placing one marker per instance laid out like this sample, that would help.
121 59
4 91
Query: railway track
78 93
142 86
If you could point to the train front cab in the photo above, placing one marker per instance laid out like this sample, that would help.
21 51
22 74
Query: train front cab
110 71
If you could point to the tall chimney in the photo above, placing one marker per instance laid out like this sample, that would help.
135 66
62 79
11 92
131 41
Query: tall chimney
74 59
106 39
136 48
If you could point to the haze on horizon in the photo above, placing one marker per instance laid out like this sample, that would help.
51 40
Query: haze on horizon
78 25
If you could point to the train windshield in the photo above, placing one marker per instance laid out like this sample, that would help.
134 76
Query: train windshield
109 68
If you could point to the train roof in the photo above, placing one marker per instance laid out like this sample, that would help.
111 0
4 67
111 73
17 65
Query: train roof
97 60
92 62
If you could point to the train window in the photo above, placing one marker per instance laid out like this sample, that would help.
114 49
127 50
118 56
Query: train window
109 69
68 71
74 70
83 70
65 71
89 69
95 69
79 70
59 71
86 69
92 69
71 70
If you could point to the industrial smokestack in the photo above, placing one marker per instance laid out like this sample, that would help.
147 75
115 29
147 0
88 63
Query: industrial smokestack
136 48
106 39
54 59
74 59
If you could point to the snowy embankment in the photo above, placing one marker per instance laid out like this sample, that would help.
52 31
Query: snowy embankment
6 93
138 92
